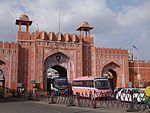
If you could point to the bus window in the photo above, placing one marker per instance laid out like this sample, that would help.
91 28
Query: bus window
60 83
77 83
102 84
88 83
83 83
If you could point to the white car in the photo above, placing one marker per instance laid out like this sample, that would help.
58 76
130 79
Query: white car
131 95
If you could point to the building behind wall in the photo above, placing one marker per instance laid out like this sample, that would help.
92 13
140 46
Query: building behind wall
25 62
142 68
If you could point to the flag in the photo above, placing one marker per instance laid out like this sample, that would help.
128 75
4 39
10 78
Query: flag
135 47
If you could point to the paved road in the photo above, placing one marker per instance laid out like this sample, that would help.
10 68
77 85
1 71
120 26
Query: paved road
13 105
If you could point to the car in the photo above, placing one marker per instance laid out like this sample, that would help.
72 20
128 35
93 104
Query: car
131 95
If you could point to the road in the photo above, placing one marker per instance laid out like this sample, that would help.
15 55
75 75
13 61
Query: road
14 105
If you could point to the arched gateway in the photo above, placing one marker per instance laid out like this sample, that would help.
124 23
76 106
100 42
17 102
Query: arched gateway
109 70
58 62
71 55
26 62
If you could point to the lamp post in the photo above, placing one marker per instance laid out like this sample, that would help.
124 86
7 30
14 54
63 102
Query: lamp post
138 66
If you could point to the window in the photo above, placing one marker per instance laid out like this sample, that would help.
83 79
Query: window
102 84
83 83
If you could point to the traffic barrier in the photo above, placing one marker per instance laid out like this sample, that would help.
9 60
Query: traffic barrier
51 98
78 99
95 100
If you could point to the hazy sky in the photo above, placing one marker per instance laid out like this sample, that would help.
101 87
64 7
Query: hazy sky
117 23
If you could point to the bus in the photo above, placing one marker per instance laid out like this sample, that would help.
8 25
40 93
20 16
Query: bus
99 87
59 85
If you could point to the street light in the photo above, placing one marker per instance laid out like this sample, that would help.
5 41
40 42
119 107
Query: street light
138 66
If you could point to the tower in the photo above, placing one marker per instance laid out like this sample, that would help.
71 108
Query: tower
23 20
87 42
84 29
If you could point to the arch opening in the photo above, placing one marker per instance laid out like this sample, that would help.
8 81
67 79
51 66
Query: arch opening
56 66
61 70
54 73
109 71
112 78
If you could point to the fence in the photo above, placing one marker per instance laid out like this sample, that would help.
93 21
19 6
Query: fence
126 101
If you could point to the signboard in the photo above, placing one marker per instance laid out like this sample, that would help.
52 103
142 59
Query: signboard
33 81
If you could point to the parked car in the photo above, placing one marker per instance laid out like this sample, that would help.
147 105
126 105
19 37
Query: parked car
131 95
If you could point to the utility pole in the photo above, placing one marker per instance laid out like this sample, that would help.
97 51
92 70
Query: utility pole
138 66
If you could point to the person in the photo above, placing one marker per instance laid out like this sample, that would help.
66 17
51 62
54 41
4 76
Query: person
70 89
70 94
147 91
30 94
23 91
19 92
13 93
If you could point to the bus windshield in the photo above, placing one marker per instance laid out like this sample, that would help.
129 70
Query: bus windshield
60 83
102 84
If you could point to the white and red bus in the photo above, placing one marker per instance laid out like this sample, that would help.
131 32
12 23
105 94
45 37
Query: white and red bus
99 87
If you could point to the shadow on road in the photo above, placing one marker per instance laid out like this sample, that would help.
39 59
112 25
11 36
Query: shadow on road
13 99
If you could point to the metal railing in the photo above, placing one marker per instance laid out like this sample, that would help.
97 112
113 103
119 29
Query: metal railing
127 101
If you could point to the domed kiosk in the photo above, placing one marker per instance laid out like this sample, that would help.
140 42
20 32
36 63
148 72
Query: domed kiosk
84 29
23 20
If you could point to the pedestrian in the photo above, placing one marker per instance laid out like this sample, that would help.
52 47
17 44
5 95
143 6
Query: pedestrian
30 94
23 91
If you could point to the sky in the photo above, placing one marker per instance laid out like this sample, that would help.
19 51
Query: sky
117 23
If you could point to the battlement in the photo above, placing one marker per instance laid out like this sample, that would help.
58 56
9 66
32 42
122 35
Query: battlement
112 51
51 36
7 45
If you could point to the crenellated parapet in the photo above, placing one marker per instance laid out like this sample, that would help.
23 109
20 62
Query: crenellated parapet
51 36
112 51
8 45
